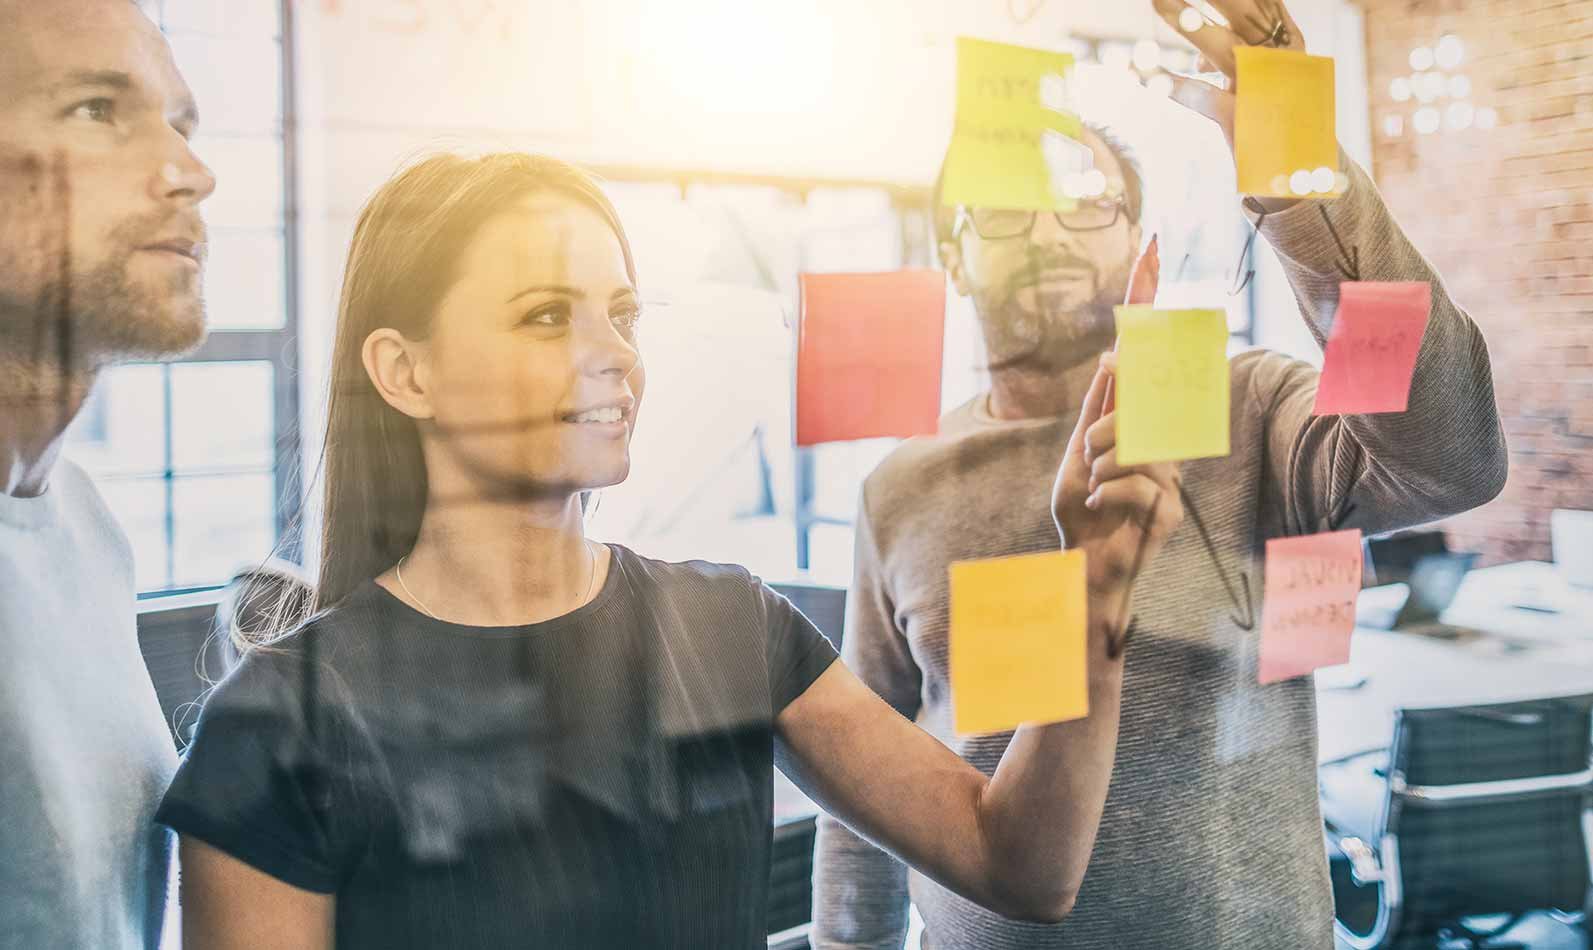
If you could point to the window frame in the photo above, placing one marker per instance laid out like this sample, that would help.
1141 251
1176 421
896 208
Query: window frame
277 346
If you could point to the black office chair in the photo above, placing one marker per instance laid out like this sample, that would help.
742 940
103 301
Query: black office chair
1474 811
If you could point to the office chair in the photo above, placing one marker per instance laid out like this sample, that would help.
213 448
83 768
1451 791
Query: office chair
1473 811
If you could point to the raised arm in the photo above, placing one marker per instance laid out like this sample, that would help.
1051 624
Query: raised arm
860 892
1018 842
1446 452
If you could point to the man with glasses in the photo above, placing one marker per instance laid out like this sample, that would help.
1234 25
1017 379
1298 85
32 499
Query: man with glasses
1210 833
101 245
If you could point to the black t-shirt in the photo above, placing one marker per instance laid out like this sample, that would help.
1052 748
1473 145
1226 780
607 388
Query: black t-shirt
599 780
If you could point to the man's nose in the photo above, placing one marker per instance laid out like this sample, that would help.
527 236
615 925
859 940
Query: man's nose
182 175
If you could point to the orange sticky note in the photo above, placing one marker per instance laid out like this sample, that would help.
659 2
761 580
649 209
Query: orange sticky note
1285 138
1013 125
1308 606
1172 384
869 354
1371 351
1017 642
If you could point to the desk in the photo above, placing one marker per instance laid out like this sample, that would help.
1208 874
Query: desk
1404 669
1492 599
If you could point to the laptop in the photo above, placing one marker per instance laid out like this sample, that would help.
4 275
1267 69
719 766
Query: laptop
1433 581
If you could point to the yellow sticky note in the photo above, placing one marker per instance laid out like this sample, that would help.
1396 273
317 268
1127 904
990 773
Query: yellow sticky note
1172 384
1284 123
1013 128
1017 642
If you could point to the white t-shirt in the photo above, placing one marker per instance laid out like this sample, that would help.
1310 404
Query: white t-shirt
85 753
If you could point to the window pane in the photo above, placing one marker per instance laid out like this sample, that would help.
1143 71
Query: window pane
248 181
140 507
222 523
244 280
221 416
237 82
261 18
121 429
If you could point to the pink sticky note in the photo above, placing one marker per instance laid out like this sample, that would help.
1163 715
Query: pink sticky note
868 355
1308 606
1371 352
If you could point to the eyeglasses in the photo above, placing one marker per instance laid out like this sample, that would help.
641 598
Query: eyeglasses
995 224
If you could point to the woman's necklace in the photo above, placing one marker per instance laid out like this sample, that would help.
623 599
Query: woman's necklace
591 580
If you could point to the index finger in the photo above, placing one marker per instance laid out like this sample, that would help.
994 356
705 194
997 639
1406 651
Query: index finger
1094 402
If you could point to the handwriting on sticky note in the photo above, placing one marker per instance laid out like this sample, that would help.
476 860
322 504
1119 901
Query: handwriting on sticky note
1372 349
1018 641
869 353
1011 110
1308 606
1285 139
1172 384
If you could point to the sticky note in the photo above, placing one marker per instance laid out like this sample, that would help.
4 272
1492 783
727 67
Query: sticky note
1372 347
1017 649
1012 111
1308 603
1172 384
869 350
1284 123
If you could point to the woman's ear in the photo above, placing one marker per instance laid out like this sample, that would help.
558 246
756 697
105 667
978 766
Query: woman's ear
397 368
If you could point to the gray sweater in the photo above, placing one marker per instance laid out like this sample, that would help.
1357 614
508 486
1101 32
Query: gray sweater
1211 835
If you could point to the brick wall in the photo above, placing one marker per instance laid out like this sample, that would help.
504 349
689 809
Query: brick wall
1506 216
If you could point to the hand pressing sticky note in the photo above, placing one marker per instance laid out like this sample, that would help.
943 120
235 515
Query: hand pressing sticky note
1017 642
1013 126
1371 351
1172 384
1308 606
1285 140
869 352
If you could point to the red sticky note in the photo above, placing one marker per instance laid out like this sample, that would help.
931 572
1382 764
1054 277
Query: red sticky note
1308 606
1372 349
869 352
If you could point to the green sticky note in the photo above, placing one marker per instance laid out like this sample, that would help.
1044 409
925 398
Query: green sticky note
1017 649
1011 115
1284 132
1172 384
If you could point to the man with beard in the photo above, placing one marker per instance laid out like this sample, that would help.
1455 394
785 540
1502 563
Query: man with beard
100 251
1210 832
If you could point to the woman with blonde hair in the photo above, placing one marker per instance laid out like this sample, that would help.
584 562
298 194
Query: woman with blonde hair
494 732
